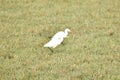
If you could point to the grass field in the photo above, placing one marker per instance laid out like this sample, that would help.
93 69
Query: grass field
91 52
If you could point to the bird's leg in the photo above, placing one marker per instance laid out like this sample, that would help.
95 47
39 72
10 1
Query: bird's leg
50 49
62 43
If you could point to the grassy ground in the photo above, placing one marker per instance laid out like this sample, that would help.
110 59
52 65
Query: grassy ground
92 51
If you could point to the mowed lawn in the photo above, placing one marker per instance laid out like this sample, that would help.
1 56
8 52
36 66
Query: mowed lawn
91 52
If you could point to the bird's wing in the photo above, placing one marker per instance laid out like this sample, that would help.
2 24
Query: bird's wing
56 40
58 35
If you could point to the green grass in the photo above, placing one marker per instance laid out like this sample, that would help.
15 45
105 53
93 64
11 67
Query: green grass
92 51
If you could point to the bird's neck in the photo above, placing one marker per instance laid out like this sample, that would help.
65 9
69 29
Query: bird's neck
66 33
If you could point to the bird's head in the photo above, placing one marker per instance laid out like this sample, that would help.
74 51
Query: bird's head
67 30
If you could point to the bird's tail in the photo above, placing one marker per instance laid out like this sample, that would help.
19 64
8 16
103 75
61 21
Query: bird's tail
45 45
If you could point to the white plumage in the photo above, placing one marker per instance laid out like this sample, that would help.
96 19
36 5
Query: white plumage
57 39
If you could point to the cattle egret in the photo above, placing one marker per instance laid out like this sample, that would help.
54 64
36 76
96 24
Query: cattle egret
57 39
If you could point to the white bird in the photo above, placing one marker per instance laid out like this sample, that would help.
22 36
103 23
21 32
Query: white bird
57 39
